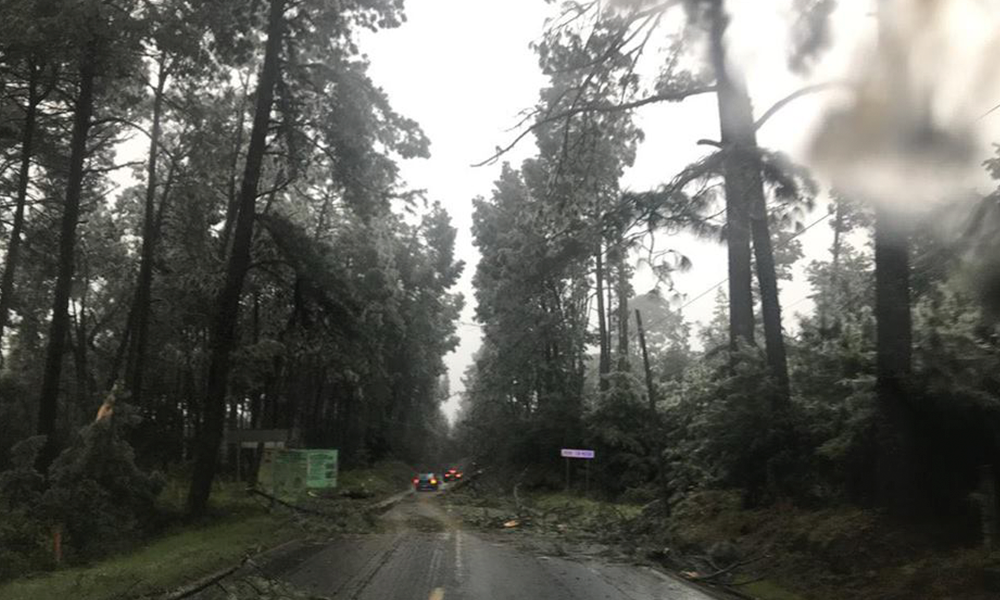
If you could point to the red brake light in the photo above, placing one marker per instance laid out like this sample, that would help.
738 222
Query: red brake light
459 475
416 480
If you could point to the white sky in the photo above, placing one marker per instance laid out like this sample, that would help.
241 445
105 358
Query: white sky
463 70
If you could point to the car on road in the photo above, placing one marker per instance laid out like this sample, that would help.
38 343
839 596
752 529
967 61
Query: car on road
426 482
452 474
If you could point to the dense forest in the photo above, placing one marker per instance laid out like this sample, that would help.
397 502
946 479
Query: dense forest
884 396
265 268
204 227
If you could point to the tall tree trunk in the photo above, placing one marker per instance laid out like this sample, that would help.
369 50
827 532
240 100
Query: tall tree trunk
82 369
650 390
770 302
223 336
59 327
125 342
604 361
895 435
737 171
746 202
623 364
232 206
23 178
609 304
144 284
654 425
119 356
895 483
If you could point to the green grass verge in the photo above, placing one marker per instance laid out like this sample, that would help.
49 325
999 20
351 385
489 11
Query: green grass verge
182 555
187 552
833 553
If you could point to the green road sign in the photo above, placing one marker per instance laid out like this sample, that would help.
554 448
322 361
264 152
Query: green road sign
290 473
321 469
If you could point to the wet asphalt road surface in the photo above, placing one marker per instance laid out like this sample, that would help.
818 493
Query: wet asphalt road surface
426 555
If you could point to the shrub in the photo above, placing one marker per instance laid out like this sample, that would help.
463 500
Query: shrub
619 429
96 491
727 433
22 530
640 495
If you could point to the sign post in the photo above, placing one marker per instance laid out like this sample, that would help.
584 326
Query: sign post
566 460
253 439
568 453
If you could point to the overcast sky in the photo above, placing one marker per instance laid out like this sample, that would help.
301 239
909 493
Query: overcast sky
463 70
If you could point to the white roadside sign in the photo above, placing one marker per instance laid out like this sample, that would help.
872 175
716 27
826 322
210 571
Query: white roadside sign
574 453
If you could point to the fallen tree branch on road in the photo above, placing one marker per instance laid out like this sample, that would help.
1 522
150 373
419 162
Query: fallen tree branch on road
200 584
464 481
289 505
388 503
725 570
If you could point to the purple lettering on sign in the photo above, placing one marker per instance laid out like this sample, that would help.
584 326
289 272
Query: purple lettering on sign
573 453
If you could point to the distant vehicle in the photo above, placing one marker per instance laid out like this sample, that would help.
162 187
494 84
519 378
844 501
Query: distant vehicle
452 475
426 482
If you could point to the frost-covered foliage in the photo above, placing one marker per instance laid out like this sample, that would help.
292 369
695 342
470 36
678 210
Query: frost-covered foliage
724 431
619 429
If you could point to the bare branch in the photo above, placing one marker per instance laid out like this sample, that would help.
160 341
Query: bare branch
571 14
623 37
597 108
133 125
988 113
110 168
811 89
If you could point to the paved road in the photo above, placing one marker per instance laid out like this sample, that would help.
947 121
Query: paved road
426 555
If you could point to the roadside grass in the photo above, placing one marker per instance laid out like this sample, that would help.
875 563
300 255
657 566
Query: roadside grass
831 553
180 554
790 553
237 525
586 508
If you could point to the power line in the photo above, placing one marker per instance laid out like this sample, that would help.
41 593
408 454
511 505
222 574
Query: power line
781 245
716 286
702 295
797 302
